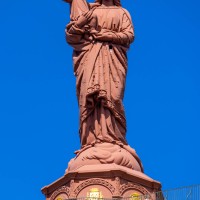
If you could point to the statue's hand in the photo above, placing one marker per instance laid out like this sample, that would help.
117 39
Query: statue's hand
89 38
104 36
85 18
88 14
82 20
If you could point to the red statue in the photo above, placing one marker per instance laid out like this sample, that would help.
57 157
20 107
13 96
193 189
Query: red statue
101 34
105 166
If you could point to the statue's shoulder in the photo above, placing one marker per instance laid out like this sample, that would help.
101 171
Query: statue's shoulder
126 12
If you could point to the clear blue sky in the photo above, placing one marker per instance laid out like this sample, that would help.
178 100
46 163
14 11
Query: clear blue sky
38 105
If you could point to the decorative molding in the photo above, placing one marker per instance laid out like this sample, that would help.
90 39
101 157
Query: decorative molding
63 189
94 181
117 186
130 185
71 190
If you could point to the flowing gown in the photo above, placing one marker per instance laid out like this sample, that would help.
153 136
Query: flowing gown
100 69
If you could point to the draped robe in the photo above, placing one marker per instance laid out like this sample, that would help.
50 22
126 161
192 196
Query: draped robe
100 68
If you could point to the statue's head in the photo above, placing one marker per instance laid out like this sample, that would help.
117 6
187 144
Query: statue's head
116 2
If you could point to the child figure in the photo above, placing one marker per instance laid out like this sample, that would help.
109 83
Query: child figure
79 8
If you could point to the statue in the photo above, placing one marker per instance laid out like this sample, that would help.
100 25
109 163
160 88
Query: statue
100 34
105 166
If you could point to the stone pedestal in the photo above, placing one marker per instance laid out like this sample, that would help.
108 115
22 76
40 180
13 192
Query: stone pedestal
102 181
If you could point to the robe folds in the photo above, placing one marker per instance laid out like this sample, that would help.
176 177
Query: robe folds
100 68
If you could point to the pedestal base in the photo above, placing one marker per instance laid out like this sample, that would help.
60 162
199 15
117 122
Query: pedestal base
102 181
105 153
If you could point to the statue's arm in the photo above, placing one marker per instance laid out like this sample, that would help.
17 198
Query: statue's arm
125 37
73 33
75 30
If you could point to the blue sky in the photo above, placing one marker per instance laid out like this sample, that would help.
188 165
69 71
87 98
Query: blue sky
38 105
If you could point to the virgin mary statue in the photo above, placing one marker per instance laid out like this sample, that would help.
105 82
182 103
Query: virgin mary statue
100 34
